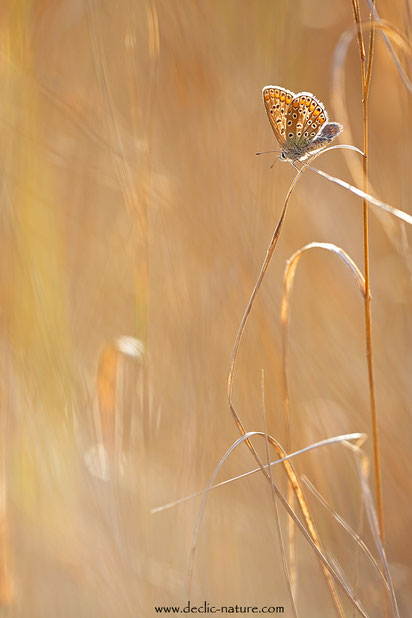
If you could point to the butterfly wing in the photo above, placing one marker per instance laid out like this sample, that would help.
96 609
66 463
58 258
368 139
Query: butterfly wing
277 100
305 118
327 133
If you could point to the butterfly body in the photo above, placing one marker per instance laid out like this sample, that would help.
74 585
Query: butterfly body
299 122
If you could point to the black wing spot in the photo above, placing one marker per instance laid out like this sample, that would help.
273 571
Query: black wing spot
290 134
271 111
289 122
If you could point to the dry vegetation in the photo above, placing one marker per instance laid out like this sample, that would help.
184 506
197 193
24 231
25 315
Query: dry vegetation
135 220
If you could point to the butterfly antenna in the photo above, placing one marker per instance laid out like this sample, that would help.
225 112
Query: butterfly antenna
266 152
274 162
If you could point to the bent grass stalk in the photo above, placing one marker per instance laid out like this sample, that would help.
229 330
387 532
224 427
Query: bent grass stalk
288 280
292 476
265 265
384 576
285 460
359 437
363 467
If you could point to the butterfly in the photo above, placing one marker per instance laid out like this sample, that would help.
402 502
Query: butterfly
299 122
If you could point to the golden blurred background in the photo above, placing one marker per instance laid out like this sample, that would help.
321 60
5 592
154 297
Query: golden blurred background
135 218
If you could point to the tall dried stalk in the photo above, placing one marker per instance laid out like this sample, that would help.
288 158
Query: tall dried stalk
366 68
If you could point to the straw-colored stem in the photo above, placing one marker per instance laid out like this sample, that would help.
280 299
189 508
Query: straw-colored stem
289 470
368 334
366 67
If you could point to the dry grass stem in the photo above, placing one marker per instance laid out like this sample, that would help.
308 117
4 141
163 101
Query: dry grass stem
366 67
310 534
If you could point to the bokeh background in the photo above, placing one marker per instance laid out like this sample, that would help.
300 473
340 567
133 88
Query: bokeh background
134 221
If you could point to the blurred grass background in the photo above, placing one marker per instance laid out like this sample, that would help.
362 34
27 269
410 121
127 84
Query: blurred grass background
132 205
